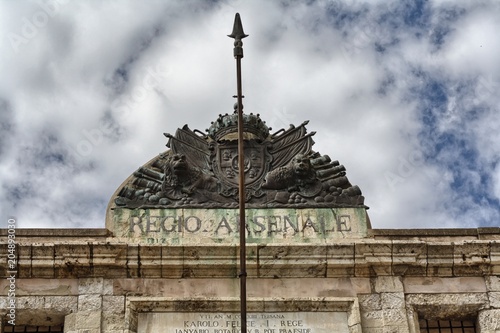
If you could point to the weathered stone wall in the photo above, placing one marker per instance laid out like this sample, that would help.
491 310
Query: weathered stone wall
91 282
386 303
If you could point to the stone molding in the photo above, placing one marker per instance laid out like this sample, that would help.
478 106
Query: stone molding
136 305
358 258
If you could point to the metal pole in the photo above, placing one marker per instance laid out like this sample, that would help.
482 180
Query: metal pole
238 34
241 168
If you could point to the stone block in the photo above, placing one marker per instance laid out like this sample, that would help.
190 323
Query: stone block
90 286
109 260
373 258
471 258
182 288
72 260
438 285
370 302
70 323
89 302
113 322
373 329
492 283
395 329
494 298
392 300
355 328
144 261
371 319
92 330
354 316
132 261
412 316
340 260
24 267
210 261
113 304
172 260
439 259
409 258
495 257
306 287
3 260
41 287
489 320
63 304
446 305
150 261
395 317
361 285
88 320
252 253
291 261
43 311
43 260
107 287
388 284
30 302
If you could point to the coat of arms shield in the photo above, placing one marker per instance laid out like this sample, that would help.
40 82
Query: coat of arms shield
257 162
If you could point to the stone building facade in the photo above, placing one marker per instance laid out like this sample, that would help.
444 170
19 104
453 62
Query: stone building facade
168 258
389 281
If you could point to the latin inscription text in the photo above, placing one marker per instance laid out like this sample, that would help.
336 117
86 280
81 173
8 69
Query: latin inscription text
256 323
257 226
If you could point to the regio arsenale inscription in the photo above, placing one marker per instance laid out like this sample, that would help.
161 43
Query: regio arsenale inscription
178 226
279 322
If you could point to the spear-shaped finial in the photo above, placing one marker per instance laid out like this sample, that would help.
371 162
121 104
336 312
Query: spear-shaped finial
238 35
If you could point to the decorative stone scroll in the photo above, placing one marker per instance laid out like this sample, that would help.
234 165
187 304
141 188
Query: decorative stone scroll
201 171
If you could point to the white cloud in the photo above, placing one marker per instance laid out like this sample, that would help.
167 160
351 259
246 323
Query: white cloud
83 111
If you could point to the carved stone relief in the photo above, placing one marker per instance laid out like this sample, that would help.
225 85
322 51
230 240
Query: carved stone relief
201 170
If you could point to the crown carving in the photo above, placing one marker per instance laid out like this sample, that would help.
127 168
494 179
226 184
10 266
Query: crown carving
226 126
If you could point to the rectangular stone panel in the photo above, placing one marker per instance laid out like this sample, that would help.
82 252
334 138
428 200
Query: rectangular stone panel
436 285
229 322
42 287
221 226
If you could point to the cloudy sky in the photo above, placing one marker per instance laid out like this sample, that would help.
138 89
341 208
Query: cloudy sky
404 94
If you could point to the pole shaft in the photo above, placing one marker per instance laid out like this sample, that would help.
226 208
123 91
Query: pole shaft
241 174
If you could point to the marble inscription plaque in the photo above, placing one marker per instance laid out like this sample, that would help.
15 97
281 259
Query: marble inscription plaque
228 322
198 226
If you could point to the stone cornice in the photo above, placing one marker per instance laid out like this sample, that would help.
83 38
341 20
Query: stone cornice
444 233
484 233
106 258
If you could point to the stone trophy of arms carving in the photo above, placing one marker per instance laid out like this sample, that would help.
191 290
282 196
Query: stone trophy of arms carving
201 170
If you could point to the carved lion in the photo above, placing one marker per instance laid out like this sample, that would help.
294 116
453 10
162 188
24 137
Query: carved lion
182 179
298 175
